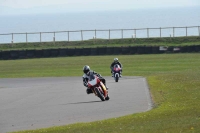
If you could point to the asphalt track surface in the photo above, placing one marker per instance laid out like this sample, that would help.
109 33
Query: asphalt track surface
32 103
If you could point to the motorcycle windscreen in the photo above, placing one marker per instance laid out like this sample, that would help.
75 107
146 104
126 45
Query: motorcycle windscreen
117 67
92 80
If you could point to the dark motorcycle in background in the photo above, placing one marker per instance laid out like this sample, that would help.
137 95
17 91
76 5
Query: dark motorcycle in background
116 72
97 87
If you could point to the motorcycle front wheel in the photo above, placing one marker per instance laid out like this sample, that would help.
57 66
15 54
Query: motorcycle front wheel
116 78
100 94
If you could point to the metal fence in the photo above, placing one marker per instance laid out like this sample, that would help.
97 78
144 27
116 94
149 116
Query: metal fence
81 35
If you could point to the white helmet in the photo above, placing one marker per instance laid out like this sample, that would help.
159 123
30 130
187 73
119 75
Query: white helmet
115 60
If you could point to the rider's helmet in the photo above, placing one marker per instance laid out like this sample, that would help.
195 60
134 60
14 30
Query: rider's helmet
115 60
86 69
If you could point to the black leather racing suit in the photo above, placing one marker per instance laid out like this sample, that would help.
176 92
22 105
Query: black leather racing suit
114 63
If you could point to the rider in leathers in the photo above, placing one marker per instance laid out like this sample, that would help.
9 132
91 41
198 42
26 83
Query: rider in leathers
87 71
116 61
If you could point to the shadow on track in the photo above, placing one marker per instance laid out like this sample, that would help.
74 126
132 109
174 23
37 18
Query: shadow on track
83 102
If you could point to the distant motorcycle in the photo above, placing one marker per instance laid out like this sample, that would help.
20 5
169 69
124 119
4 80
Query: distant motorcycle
116 72
97 87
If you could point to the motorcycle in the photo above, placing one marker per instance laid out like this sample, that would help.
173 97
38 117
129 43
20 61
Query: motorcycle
97 87
116 72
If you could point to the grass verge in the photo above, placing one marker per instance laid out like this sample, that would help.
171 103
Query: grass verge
173 80
165 41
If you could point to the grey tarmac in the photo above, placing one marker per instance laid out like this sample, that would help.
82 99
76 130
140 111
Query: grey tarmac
32 103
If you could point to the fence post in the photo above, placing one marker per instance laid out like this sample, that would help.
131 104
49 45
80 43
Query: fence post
186 30
147 32
68 36
122 33
160 33
54 37
26 38
95 33
173 31
135 33
40 37
109 34
81 35
12 38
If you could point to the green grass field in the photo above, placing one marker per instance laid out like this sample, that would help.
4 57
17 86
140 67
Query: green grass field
174 81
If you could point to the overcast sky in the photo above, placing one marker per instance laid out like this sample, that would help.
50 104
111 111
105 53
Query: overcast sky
8 7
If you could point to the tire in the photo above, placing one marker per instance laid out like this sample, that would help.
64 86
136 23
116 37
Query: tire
116 78
100 94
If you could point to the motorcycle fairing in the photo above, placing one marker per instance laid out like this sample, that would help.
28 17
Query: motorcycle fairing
104 89
93 82
117 67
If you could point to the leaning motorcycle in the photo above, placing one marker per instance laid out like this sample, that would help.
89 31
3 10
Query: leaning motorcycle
97 87
116 72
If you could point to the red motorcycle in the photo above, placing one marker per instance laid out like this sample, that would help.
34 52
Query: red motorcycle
116 72
97 87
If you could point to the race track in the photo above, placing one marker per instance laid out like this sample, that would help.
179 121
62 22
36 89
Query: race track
31 103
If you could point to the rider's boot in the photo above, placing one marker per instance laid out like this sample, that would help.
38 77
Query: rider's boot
107 98
88 91
112 74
